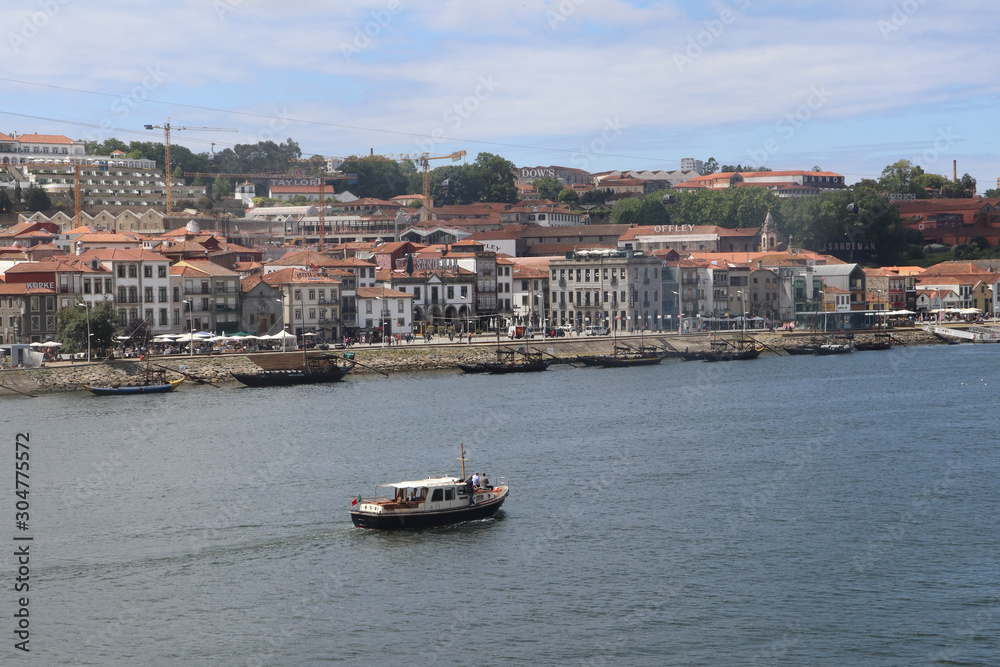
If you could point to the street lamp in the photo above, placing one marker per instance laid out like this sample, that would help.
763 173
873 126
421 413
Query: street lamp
190 304
89 335
680 315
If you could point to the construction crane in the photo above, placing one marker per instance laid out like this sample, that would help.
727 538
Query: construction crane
166 150
423 160
296 175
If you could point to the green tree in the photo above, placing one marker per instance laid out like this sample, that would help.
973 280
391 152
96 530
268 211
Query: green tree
496 178
992 193
710 167
36 199
896 177
626 211
378 177
648 210
221 189
548 187
568 196
264 157
6 205
177 175
72 326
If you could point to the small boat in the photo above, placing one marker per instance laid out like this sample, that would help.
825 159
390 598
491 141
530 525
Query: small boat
736 350
807 347
424 503
144 387
314 370
689 355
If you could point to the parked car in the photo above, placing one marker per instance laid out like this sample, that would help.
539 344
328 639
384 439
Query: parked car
555 332
596 330
520 332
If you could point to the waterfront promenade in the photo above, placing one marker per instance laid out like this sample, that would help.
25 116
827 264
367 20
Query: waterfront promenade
438 354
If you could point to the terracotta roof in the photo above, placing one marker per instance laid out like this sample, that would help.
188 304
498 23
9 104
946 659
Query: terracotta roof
44 139
381 292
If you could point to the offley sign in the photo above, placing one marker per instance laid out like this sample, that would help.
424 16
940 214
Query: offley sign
667 229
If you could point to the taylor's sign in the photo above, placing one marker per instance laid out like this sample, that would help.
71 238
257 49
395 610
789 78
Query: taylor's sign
296 181
667 229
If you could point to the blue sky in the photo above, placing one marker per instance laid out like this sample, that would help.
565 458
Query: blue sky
850 86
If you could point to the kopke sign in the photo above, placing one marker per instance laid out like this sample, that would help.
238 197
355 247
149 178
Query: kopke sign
666 229
40 285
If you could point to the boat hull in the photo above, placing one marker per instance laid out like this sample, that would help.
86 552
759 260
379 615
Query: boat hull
620 362
418 520
286 378
502 369
142 389
741 355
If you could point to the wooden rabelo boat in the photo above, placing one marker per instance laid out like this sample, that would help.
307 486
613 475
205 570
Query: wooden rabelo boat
733 350
880 341
424 503
314 370
624 356
510 361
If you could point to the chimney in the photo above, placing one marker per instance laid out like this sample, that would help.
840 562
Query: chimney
79 248
954 171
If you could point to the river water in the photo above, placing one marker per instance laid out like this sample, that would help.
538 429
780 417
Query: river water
789 510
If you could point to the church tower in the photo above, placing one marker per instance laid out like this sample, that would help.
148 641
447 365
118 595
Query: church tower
768 241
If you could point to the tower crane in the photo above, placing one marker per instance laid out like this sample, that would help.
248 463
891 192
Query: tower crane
422 160
167 127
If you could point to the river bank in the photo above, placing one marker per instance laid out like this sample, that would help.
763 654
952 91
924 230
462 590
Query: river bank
218 369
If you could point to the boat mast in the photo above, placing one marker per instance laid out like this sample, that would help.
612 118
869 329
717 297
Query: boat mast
462 458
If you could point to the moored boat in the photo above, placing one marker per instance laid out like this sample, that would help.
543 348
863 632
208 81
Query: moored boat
624 356
737 350
881 341
150 386
510 361
314 370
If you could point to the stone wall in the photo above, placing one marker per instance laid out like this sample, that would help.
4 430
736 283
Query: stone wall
394 359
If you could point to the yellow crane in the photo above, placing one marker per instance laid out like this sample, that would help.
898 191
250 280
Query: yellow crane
167 127
423 160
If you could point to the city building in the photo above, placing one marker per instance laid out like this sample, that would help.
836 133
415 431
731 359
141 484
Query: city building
619 289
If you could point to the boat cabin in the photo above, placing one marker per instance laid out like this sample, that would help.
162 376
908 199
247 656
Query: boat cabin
434 494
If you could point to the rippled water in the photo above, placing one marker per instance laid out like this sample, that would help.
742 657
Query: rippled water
795 511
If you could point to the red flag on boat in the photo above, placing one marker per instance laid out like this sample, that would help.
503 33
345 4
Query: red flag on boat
355 501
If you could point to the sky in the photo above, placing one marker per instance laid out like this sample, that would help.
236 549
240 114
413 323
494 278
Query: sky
850 86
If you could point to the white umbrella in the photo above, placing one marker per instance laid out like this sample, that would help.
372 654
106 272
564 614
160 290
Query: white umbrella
283 335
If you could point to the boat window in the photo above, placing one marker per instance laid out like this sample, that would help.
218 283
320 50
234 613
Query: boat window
438 495
449 494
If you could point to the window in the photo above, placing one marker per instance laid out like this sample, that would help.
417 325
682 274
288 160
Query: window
163 295
416 292
122 295
121 270
312 295
465 291
147 271
107 286
177 316
86 286
399 305
133 295
451 291
148 295
97 286
162 271
368 306
132 271
298 295
438 495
